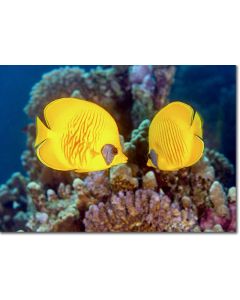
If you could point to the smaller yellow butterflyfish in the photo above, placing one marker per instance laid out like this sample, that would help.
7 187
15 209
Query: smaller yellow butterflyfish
175 137
80 136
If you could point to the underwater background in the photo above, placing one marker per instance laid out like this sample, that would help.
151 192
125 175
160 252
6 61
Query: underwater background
132 94
210 89
15 86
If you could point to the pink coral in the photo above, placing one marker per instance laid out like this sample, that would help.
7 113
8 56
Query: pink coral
142 211
223 211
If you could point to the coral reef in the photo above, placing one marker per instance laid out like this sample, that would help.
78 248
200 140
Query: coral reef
223 211
63 210
12 201
111 87
142 211
149 89
137 148
223 168
126 198
121 178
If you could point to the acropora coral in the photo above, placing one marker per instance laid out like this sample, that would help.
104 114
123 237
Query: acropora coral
126 198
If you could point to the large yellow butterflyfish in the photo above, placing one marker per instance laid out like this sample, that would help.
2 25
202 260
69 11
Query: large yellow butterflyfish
80 136
175 137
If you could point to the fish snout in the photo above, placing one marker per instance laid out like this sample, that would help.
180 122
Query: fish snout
121 158
124 158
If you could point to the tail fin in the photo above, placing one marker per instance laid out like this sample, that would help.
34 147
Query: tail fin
197 125
42 132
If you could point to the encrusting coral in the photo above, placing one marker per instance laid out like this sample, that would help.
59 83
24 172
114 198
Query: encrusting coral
126 198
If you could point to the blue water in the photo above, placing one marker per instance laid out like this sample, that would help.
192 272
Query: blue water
15 85
207 87
212 91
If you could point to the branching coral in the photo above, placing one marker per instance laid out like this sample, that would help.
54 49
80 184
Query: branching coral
224 170
142 211
63 210
137 148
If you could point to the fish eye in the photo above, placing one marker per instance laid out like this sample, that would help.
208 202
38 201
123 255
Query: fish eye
114 150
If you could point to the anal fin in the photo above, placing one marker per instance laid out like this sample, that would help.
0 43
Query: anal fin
197 124
197 151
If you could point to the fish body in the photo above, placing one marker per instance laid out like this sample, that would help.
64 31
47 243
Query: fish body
80 136
175 137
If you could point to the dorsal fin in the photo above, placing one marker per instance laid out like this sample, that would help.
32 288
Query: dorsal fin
42 132
178 111
197 124
58 111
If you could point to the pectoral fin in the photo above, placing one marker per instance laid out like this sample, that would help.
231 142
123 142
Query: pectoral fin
197 124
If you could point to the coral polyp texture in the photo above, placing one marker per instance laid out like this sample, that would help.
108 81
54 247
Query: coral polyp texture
140 211
128 197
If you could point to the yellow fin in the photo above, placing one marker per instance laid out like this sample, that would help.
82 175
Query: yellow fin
47 154
42 132
178 111
197 125
150 164
197 151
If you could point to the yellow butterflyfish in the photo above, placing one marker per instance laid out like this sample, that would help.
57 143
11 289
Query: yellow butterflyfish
175 137
80 136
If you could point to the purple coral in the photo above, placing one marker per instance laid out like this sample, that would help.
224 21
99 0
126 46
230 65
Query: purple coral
223 211
211 219
164 76
97 184
138 73
150 86
142 211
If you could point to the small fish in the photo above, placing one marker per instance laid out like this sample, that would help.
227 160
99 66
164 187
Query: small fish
175 137
79 136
